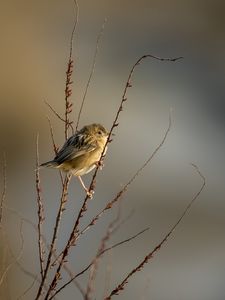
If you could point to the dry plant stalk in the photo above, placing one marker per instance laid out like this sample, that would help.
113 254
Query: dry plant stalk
40 211
121 286
68 88
55 148
93 260
91 73
17 258
63 201
33 276
28 288
112 228
4 188
65 183
94 267
69 72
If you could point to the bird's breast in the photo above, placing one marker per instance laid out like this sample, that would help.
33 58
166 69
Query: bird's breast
82 164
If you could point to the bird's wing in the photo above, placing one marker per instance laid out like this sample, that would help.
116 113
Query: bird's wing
75 146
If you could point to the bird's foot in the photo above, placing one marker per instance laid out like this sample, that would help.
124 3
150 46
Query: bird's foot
90 193
99 164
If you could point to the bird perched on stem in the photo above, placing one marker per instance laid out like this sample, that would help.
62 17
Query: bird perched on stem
81 152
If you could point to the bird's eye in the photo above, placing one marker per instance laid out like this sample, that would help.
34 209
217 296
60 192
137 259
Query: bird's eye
99 132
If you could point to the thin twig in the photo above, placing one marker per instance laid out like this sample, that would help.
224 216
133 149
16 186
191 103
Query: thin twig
88 226
18 256
68 93
121 286
7 289
56 228
27 272
9 251
19 265
40 211
5 254
76 12
91 73
76 283
58 115
54 111
4 188
94 267
28 288
108 275
55 148
91 263
125 241
69 72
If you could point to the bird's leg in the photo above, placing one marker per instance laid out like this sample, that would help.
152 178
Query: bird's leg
89 193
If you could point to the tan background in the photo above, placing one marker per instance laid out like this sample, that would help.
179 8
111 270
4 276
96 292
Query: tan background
34 48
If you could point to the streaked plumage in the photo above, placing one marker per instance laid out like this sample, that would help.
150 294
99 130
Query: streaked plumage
81 152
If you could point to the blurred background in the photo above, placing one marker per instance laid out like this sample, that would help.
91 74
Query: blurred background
34 50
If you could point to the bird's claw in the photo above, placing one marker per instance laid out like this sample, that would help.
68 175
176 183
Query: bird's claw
90 193
99 164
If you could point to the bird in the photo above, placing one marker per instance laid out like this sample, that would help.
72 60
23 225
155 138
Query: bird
81 153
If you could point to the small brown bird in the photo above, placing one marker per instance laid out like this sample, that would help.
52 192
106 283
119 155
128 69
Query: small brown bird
81 152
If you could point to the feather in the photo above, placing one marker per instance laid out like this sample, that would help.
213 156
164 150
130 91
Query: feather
74 147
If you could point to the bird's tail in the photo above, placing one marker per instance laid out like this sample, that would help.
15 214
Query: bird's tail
50 164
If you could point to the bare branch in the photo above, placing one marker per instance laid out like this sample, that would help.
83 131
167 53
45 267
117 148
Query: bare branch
91 263
125 241
18 256
27 272
55 148
71 274
4 188
55 112
58 116
69 72
76 13
94 267
108 275
123 221
40 211
68 93
28 288
9 250
4 258
121 286
91 73
56 228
